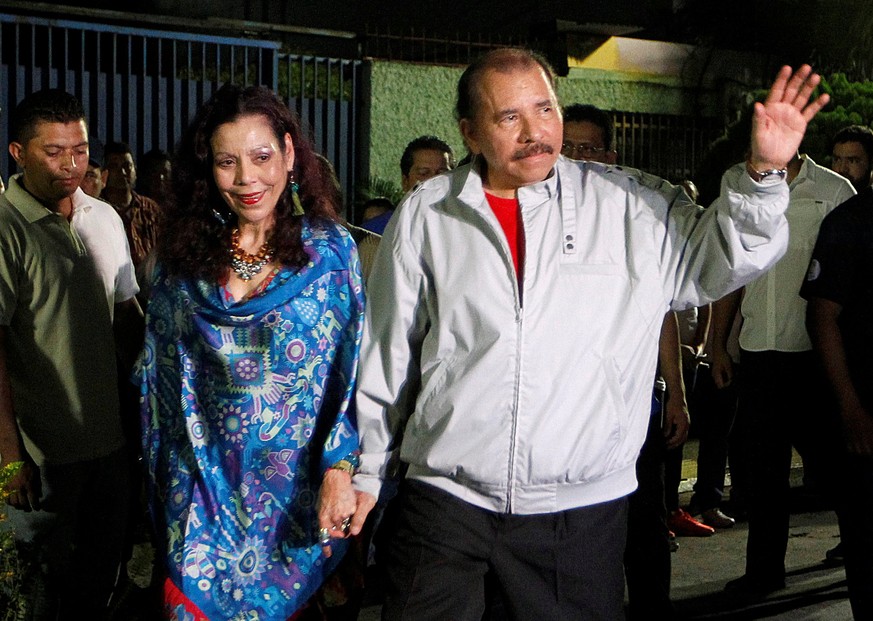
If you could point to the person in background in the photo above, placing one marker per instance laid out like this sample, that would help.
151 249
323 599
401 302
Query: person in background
781 392
589 134
155 178
423 158
252 340
839 296
141 215
94 180
67 309
375 207
367 241
852 155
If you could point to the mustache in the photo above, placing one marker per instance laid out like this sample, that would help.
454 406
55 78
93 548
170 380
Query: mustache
532 149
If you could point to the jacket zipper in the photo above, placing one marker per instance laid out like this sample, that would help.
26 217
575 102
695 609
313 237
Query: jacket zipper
512 438
519 334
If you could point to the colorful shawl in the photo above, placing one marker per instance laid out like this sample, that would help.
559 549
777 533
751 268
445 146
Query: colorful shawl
244 407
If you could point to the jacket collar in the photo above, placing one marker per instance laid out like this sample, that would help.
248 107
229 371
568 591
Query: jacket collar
30 208
472 192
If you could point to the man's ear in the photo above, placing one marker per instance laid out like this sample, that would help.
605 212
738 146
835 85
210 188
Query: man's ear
611 157
104 175
469 135
15 149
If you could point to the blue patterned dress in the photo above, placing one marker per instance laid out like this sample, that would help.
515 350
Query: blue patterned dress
244 407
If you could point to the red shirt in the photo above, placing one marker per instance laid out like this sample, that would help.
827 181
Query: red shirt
508 213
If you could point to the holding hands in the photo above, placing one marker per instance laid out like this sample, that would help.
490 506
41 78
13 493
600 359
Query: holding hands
779 123
341 509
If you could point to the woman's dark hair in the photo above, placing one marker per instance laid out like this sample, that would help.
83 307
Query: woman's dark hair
194 241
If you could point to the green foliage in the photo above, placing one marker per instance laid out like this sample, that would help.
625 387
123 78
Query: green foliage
13 604
377 187
851 104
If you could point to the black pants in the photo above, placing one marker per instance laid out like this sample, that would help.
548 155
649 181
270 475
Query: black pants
76 537
712 418
783 403
647 558
855 506
553 566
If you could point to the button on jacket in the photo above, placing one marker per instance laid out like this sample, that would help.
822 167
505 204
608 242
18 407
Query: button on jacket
537 400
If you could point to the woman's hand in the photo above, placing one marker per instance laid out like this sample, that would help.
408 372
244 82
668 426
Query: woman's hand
342 510
336 506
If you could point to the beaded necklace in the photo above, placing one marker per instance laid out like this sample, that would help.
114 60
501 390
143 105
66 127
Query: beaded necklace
244 264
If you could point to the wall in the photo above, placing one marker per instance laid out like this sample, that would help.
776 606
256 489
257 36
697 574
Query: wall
629 92
410 100
407 101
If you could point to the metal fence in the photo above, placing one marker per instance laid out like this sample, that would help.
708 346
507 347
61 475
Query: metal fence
142 86
326 93
664 145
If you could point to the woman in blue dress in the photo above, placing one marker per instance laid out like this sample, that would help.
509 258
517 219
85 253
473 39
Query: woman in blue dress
247 376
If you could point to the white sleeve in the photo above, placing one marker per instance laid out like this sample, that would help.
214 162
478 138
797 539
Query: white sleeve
740 236
389 374
125 278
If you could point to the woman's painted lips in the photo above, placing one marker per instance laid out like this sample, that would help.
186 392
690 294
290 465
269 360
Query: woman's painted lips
250 199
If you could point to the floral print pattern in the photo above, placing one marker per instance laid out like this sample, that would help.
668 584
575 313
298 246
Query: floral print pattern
245 405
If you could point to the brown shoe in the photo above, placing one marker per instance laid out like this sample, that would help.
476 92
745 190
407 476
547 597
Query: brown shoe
718 520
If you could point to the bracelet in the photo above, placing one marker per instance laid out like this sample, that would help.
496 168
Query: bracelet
760 175
347 464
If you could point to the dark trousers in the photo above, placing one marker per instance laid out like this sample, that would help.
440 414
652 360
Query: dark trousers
856 531
554 566
76 538
647 557
712 418
782 403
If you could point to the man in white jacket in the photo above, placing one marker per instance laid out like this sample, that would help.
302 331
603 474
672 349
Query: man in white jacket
511 341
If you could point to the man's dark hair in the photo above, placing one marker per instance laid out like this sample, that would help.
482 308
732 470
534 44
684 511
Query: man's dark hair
424 143
503 60
153 160
378 201
155 157
578 113
51 105
861 134
115 148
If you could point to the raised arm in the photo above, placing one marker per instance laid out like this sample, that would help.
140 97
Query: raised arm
779 123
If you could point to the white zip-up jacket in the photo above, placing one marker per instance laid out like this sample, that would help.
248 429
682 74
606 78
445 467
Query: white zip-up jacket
537 401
